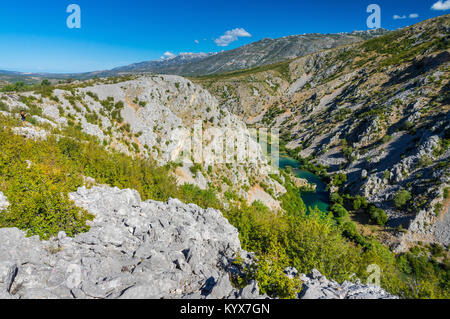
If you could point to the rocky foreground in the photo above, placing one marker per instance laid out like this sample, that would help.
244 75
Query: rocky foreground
138 249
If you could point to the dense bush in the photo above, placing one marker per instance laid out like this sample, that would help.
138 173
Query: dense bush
195 169
359 202
336 198
269 272
401 198
37 187
203 198
339 211
339 179
378 215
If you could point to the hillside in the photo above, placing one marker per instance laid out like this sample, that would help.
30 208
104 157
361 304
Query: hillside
373 117
151 117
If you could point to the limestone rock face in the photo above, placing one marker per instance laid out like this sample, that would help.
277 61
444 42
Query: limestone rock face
142 250
316 286
31 133
134 249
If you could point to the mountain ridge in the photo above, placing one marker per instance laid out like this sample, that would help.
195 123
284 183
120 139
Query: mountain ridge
262 52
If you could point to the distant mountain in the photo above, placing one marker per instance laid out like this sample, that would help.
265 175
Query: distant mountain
266 51
159 66
263 52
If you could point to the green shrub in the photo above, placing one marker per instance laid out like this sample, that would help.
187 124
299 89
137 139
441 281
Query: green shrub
336 198
195 169
348 151
38 192
407 125
204 198
269 274
339 211
386 138
339 179
378 215
359 202
3 106
425 161
401 198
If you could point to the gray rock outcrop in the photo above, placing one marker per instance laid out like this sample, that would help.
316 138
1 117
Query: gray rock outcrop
142 250
133 249
31 133
316 286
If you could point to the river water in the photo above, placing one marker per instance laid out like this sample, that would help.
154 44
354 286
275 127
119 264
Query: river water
320 197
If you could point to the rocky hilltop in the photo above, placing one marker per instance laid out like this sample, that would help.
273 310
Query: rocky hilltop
376 112
141 250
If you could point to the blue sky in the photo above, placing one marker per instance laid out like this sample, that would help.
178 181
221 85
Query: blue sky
34 36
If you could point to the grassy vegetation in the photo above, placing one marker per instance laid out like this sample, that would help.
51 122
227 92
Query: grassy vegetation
45 87
281 68
39 191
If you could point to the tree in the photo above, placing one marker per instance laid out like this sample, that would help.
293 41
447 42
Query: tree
378 216
359 202
336 198
402 198
339 211
339 179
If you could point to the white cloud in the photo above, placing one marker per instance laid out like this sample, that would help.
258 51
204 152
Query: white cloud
231 36
441 5
168 55
196 41
402 17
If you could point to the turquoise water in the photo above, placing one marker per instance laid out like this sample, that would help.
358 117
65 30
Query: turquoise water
320 197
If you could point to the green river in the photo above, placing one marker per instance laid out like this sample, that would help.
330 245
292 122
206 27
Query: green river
320 198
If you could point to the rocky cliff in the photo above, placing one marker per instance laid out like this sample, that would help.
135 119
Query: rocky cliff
142 250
